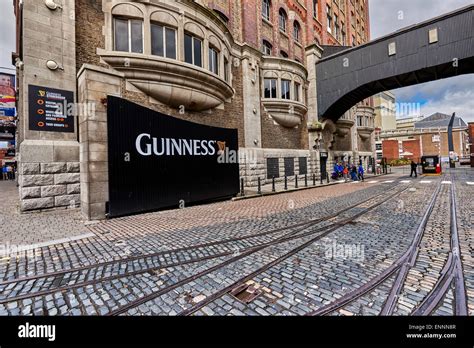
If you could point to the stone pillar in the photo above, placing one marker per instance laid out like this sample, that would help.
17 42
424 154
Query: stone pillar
48 161
313 54
251 97
95 84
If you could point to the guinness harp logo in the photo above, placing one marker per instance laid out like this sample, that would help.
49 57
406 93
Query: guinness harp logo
221 145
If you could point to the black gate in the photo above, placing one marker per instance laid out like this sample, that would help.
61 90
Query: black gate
157 161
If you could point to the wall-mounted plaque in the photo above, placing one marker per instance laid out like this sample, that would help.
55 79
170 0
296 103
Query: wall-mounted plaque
51 110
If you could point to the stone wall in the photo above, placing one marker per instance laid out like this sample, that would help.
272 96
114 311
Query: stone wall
253 164
49 185
48 161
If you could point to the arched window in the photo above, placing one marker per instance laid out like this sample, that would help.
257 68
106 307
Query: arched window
267 48
315 8
266 9
282 19
283 54
128 35
296 31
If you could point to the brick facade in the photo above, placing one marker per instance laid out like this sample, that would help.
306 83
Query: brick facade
390 150
431 147
414 147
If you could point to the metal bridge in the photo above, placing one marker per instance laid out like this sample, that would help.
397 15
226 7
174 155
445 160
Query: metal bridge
435 49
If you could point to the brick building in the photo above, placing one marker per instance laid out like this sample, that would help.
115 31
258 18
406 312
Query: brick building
248 65
427 137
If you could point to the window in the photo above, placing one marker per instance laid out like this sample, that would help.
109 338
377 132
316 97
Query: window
343 34
226 70
266 9
163 41
267 48
297 91
283 54
192 50
315 8
296 31
270 88
336 27
128 35
214 60
353 40
282 20
329 18
285 89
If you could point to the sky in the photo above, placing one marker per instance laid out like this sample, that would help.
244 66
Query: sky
450 95
447 96
7 36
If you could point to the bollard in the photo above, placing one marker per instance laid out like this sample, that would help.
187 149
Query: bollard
259 187
306 180
327 177
273 184
242 192
286 182
296 181
314 179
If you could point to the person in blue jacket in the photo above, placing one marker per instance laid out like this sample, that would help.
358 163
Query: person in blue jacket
361 172
354 173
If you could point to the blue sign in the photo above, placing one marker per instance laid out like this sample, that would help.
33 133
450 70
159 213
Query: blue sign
7 112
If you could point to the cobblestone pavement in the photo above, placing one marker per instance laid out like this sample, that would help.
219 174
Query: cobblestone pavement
22 230
287 254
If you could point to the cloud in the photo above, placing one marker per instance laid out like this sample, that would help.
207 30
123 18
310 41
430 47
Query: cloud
455 94
7 36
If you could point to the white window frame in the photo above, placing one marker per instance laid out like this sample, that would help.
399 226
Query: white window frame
283 91
129 23
285 20
271 79
192 49
297 93
165 47
297 31
216 63
265 47
329 19
266 9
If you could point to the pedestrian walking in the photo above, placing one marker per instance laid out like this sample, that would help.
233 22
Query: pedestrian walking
4 172
354 173
361 172
10 172
413 166
346 172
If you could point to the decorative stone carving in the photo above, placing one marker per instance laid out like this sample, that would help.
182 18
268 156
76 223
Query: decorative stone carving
286 112
170 81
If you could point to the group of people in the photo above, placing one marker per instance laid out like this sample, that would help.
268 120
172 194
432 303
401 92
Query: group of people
8 172
348 172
